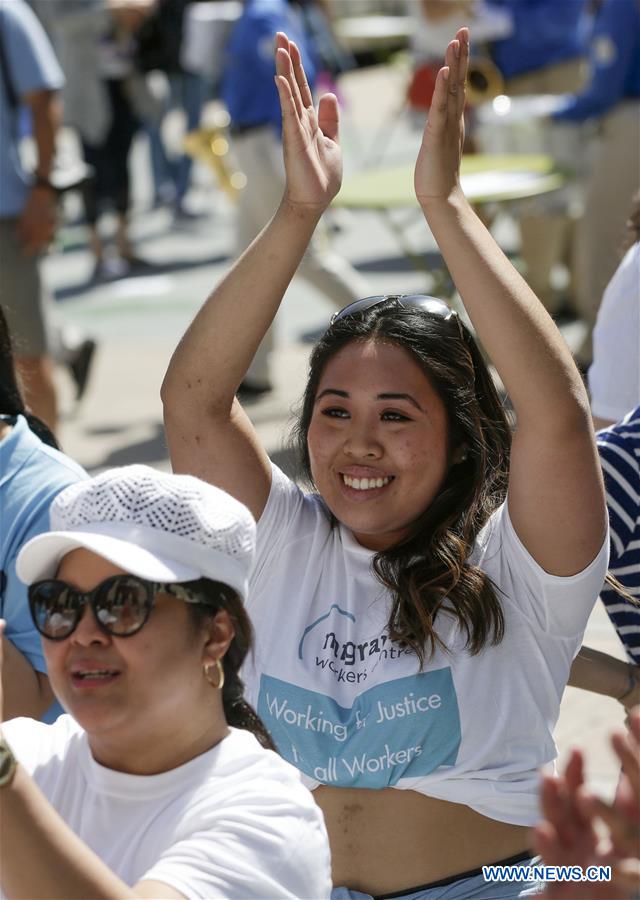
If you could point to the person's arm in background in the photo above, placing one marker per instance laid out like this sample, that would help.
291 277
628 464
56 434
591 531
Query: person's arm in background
599 424
614 45
604 674
37 221
35 78
24 679
26 691
129 15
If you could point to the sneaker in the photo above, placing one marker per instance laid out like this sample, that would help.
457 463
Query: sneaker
80 365
184 216
164 196
135 265
108 269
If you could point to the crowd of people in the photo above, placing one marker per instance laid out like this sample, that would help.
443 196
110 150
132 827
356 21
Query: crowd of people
221 682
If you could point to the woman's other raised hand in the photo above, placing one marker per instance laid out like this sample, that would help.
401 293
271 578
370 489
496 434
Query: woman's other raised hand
312 156
568 835
437 172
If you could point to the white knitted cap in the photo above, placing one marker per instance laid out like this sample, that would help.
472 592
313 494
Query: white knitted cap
158 526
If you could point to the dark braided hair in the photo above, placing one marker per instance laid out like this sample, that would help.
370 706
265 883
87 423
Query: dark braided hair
238 712
11 399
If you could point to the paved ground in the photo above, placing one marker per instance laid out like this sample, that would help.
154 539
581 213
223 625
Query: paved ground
139 320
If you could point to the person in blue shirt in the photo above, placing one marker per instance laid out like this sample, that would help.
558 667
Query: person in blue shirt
30 81
543 53
32 472
250 94
30 77
611 101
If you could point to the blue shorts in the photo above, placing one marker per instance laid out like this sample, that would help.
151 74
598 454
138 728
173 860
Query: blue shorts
473 887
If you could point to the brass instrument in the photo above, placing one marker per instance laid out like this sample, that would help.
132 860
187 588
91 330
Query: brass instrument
210 145
484 80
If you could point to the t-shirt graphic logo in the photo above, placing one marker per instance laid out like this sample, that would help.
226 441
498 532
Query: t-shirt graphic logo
403 728
346 660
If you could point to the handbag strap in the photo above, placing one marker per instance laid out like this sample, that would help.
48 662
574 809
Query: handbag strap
12 96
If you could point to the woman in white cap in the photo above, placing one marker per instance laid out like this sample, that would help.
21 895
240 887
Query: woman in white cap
144 789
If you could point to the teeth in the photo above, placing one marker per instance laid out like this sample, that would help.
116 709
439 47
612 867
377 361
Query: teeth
96 673
365 484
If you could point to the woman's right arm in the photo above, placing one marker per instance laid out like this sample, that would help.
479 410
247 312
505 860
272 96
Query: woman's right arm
209 434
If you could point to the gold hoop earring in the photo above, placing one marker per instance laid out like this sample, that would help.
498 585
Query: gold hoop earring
220 669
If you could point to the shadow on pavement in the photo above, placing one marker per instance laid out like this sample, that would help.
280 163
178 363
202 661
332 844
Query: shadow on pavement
149 269
150 451
153 450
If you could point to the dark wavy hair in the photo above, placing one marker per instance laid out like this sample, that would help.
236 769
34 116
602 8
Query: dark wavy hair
11 399
216 596
429 572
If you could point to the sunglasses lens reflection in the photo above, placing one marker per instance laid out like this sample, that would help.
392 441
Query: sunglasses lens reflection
121 605
54 608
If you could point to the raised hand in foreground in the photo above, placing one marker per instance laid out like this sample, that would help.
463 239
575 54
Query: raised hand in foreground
437 171
312 156
568 835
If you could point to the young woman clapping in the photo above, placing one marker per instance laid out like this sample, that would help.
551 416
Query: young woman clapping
417 613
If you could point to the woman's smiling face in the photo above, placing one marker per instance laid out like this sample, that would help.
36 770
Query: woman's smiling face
378 441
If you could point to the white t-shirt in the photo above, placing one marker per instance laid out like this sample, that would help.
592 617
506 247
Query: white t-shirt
351 709
614 377
234 822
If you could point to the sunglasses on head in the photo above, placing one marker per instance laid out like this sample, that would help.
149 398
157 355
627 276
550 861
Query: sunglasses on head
430 305
121 605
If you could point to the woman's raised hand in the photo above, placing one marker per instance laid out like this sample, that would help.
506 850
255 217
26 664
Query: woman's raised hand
312 156
437 172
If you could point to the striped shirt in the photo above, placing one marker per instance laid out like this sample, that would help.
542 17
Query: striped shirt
619 448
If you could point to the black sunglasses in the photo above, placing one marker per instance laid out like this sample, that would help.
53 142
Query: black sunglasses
430 305
121 605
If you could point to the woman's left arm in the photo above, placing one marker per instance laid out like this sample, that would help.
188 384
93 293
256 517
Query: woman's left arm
40 856
556 495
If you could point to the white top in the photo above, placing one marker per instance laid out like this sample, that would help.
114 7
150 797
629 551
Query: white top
614 377
234 822
351 709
